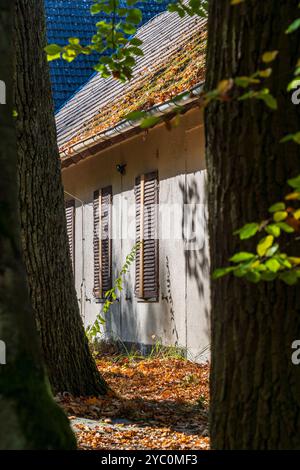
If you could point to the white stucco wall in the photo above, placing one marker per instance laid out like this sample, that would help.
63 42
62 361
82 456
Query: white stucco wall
181 316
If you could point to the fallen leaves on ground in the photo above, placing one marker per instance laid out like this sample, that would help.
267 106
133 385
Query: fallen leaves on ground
163 404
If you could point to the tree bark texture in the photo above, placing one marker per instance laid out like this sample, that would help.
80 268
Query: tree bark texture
44 237
255 388
29 418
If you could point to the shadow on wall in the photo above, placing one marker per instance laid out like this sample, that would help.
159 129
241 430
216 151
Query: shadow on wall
149 322
129 321
196 252
171 309
160 323
113 316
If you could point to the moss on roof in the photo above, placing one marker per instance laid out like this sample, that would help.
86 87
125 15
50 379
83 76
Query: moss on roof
184 69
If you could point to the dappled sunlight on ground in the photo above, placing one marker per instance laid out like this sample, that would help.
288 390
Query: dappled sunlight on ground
159 403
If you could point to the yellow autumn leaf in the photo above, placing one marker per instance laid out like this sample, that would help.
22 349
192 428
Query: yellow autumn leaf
294 260
255 264
264 245
265 73
293 196
296 214
280 216
224 86
269 56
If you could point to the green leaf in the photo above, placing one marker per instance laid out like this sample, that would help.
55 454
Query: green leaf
285 227
268 276
279 216
283 260
136 51
240 272
135 16
221 272
136 42
289 277
129 28
253 276
295 83
242 256
68 57
74 41
135 116
270 101
273 265
96 8
291 137
264 244
53 49
273 229
293 26
150 122
244 82
271 251
295 182
247 231
279 206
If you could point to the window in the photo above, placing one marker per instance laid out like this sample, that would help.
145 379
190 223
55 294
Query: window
147 270
102 242
70 216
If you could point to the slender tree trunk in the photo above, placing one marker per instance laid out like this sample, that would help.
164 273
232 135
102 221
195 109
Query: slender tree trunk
69 362
29 418
255 388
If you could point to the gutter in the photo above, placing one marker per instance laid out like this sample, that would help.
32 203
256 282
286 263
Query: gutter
125 128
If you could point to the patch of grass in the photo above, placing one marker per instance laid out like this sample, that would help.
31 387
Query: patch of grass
202 402
117 350
159 351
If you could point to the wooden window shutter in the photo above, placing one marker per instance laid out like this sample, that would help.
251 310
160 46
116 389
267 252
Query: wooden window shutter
102 242
147 269
70 216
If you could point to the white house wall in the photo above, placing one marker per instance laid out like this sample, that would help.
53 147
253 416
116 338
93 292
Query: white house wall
181 316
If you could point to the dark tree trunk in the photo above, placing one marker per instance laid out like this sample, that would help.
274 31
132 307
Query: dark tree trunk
29 418
44 237
255 388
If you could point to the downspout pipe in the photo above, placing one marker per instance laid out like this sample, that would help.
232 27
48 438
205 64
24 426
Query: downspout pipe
82 286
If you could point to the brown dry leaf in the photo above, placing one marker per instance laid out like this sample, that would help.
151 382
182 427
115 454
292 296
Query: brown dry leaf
164 400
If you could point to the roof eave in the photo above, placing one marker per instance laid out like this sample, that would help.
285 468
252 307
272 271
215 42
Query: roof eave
126 129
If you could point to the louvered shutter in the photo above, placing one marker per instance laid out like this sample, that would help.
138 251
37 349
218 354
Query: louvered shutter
102 242
70 216
147 198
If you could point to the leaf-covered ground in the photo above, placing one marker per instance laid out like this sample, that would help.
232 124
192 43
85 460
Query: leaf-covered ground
154 404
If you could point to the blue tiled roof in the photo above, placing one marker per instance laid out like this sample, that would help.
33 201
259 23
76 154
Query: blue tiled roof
72 18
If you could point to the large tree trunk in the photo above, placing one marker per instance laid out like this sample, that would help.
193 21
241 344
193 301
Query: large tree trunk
29 418
255 388
65 348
